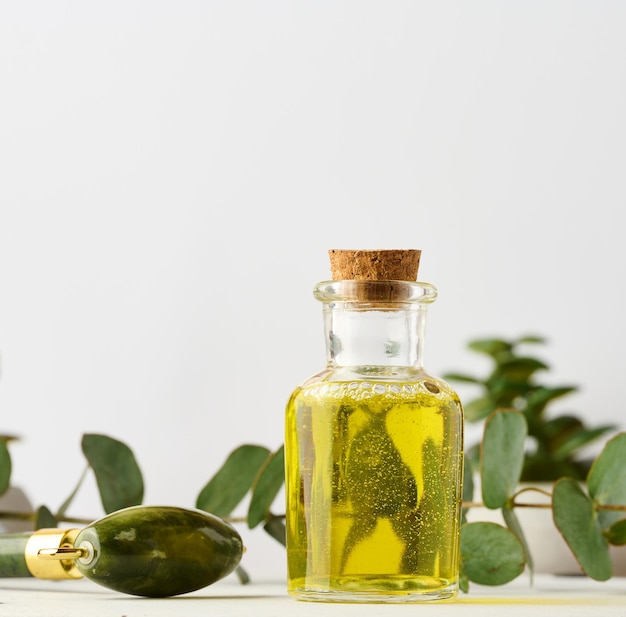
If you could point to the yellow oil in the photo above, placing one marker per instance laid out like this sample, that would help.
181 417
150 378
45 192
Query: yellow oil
373 485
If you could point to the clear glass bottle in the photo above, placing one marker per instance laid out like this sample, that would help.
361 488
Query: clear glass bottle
374 456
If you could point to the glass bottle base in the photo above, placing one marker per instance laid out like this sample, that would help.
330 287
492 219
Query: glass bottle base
380 591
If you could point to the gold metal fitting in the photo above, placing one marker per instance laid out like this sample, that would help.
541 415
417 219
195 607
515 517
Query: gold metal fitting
50 554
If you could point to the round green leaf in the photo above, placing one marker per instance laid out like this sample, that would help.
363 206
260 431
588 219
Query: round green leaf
502 456
575 517
233 480
118 476
5 467
490 554
605 481
617 533
266 486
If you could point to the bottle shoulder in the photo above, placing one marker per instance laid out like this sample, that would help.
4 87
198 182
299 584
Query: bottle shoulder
379 379
400 374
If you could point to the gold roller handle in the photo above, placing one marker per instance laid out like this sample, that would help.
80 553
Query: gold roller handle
50 554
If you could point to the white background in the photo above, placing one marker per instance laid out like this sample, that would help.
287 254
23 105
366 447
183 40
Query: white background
172 174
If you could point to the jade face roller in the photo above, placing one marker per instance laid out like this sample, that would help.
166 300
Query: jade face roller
153 551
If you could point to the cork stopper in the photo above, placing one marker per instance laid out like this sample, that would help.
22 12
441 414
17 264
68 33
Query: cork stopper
374 265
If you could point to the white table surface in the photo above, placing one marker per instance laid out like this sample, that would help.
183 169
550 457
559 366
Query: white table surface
553 596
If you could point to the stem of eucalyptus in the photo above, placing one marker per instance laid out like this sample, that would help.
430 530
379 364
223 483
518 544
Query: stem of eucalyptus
30 517
18 516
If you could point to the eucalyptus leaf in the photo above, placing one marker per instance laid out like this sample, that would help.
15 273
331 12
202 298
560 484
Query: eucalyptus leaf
505 391
468 485
502 457
558 429
226 489
379 483
462 378
242 575
538 398
512 522
493 347
520 369
468 479
605 481
490 554
576 518
579 439
415 523
479 408
531 338
118 476
463 582
5 467
44 519
275 527
616 535
266 486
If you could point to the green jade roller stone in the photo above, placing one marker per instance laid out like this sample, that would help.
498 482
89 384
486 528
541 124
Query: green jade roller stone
158 551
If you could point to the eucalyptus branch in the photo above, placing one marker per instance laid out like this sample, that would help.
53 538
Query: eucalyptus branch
66 504
17 516
532 489
233 520
32 516
256 472
611 507
545 506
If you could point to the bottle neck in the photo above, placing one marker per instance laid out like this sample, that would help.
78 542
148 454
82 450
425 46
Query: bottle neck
368 336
